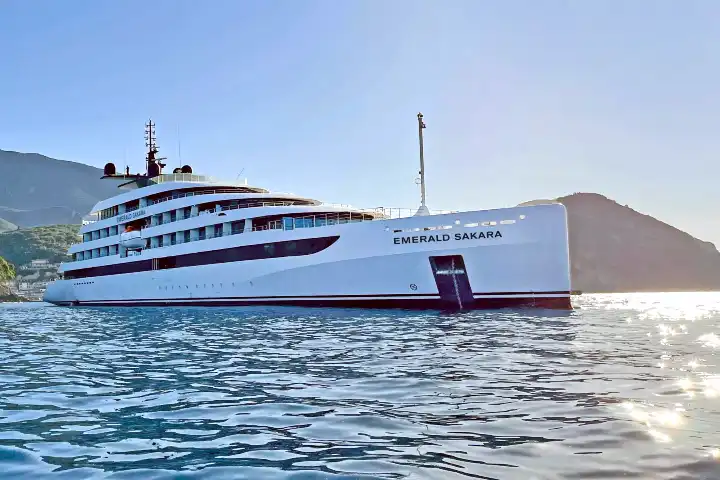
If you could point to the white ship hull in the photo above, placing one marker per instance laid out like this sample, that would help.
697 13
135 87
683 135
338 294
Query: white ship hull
482 259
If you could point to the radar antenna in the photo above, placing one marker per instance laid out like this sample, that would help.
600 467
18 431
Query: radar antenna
152 163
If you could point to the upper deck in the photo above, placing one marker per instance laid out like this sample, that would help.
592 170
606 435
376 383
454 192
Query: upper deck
147 188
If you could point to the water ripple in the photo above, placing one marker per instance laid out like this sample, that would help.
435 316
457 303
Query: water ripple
626 386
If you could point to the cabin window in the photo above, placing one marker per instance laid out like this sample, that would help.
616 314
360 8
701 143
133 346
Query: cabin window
237 227
133 205
173 215
287 223
218 230
186 233
108 212
304 222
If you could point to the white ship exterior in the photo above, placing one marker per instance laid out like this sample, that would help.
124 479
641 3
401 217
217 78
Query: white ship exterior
185 239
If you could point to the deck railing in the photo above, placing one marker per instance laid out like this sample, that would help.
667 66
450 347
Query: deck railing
193 177
175 196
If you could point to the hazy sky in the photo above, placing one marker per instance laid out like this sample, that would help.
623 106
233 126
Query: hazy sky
522 99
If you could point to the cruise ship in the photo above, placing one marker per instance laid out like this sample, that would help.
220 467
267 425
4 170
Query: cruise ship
183 239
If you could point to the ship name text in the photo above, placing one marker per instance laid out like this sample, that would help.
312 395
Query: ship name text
446 237
130 216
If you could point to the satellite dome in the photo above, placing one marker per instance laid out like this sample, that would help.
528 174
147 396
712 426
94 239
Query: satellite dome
110 169
177 170
186 169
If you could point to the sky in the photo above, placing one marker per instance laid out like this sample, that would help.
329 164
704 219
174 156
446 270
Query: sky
522 99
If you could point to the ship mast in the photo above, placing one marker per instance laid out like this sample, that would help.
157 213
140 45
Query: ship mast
423 210
151 143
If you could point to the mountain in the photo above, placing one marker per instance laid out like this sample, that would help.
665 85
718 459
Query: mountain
39 190
614 248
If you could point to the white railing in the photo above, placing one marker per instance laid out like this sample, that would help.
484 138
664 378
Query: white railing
288 203
389 212
192 194
229 207
192 177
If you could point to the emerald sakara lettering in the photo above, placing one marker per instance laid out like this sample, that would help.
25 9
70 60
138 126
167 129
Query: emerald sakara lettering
446 237
130 216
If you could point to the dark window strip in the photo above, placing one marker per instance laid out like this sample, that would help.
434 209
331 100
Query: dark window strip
289 248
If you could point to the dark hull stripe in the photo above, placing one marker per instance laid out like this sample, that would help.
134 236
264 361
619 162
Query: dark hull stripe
346 296
557 292
398 302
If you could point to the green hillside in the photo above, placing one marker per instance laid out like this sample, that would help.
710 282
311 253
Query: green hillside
7 271
51 243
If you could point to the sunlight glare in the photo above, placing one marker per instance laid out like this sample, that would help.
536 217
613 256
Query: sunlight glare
710 340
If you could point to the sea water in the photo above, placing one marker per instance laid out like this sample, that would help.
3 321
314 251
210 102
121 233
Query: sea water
625 386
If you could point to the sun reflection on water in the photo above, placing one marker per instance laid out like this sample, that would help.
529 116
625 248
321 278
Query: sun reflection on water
711 386
710 340
684 327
